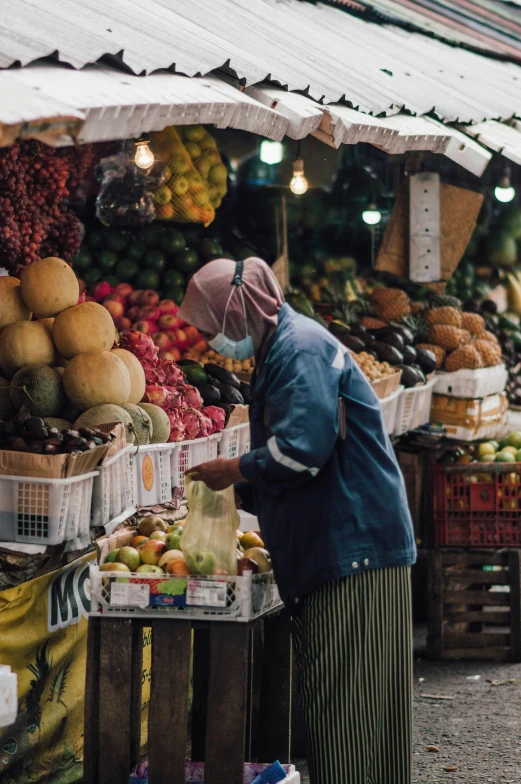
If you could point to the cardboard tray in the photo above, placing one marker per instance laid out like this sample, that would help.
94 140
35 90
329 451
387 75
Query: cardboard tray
385 387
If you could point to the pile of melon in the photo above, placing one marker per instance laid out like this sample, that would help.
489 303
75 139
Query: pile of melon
57 357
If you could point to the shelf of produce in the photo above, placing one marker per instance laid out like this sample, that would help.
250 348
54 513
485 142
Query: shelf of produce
45 511
413 408
218 598
114 489
472 384
8 696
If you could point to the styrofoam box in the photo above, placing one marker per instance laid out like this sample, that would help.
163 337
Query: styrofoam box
8 696
45 511
152 473
235 441
188 454
486 431
114 490
389 407
414 406
472 384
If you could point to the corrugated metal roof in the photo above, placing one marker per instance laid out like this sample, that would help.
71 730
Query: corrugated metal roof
330 53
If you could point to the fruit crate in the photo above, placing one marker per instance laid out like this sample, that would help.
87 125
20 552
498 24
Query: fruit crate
151 465
477 505
472 384
8 696
187 454
389 408
114 490
474 605
219 598
45 511
194 773
414 407
235 441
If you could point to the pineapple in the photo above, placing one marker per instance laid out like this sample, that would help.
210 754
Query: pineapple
390 304
465 357
444 301
489 336
368 322
449 338
490 353
447 316
438 352
473 322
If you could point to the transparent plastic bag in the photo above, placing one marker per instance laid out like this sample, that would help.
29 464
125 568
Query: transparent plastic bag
209 540
196 178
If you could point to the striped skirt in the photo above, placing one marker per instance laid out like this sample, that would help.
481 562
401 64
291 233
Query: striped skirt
353 642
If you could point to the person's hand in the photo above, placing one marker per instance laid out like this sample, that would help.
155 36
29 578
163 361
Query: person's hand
217 474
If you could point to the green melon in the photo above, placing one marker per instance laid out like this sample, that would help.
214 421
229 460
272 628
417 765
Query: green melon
59 424
106 414
6 407
160 423
141 421
39 388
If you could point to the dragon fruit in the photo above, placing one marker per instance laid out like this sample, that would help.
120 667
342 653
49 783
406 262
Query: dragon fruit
192 397
173 373
139 344
218 417
175 398
157 394
177 428
192 421
154 374
207 428
101 290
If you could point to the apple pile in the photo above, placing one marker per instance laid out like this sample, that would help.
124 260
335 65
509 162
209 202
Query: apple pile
157 549
143 311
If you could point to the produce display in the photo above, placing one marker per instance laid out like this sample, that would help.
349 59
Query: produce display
216 385
233 365
157 549
508 450
26 433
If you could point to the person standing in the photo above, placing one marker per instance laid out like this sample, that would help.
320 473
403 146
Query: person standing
324 482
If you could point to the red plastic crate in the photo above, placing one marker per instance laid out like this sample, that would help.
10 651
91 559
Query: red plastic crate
477 505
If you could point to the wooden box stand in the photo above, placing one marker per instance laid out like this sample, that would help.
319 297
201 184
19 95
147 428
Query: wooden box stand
242 689
473 613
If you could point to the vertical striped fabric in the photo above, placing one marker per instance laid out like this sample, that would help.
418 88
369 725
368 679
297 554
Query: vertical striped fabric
353 640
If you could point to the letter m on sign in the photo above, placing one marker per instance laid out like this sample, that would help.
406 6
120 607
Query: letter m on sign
63 601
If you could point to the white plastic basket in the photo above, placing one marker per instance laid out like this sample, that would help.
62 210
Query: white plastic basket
186 455
152 473
45 511
414 406
472 384
8 696
389 408
241 598
235 441
114 489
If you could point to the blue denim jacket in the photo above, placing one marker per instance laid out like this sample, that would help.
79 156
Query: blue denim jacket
327 507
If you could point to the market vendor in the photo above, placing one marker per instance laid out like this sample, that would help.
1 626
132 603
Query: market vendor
332 508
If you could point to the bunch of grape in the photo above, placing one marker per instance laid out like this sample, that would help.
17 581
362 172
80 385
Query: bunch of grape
35 220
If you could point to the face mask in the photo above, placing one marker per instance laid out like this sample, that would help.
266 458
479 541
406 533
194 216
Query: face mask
234 349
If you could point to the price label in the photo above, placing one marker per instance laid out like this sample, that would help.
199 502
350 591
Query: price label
209 593
129 595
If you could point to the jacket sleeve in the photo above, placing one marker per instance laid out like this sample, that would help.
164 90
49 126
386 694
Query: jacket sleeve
302 403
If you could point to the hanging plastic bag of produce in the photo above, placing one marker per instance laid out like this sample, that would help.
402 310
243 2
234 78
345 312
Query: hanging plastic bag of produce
209 540
196 178
126 196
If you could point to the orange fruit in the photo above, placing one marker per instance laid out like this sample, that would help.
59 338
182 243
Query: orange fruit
165 211
137 540
178 567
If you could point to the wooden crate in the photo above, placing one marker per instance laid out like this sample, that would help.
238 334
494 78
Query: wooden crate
474 613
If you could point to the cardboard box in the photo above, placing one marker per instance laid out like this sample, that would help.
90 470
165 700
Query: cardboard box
385 387
468 420
239 415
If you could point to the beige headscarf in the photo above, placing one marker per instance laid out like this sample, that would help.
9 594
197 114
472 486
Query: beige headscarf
208 292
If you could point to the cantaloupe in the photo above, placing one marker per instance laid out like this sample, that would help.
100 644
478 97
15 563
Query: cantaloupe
160 423
12 306
136 372
6 407
39 388
141 421
106 415
25 343
58 423
83 328
49 286
95 378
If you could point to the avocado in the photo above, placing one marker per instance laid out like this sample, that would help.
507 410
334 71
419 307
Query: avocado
222 375
195 374
211 395
229 394
186 362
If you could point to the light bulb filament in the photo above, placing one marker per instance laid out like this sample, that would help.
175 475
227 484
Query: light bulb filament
144 157
298 184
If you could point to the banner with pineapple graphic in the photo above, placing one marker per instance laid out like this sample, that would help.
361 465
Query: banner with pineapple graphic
43 637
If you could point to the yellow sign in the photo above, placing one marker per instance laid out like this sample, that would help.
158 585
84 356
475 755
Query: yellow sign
43 637
147 472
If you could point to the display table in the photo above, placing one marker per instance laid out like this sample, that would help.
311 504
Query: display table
242 695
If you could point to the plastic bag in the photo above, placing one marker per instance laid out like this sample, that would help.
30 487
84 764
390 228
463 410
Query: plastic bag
196 178
126 196
209 540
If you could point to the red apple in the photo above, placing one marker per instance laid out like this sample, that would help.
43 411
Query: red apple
151 551
192 334
133 313
170 333
180 336
173 355
146 327
123 324
149 297
168 321
161 340
123 289
201 347
115 309
168 306
149 312
135 297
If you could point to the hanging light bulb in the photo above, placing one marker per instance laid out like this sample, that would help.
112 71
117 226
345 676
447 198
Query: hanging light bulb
298 184
504 192
371 215
144 157
271 152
